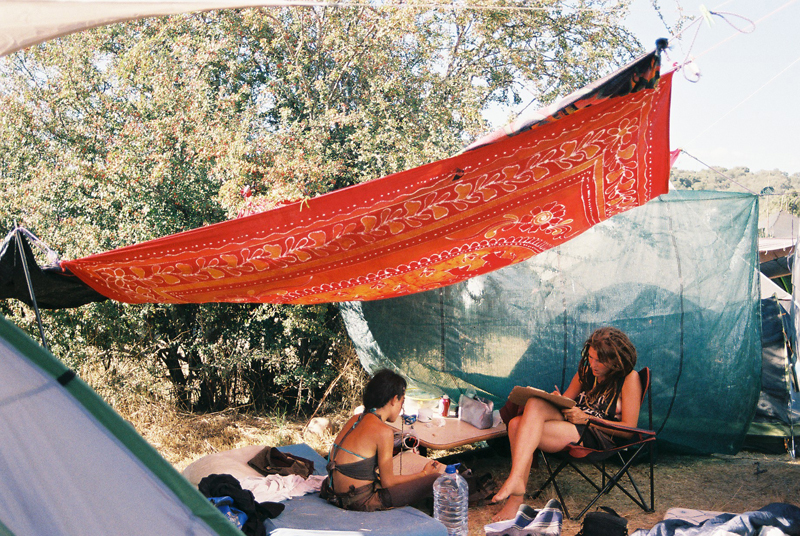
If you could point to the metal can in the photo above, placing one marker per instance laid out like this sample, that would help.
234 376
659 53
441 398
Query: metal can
445 405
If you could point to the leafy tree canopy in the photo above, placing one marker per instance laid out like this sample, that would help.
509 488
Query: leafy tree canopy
776 189
740 179
134 131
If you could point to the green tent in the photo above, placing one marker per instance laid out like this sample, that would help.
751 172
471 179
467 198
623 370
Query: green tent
71 465
777 418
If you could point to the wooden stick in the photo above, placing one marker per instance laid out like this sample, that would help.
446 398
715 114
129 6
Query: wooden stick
327 392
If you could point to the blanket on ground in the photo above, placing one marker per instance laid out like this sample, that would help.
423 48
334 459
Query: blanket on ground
775 519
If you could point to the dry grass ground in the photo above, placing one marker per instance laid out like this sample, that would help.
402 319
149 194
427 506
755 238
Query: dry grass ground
738 483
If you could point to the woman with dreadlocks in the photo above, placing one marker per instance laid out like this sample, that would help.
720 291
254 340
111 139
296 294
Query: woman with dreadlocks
605 387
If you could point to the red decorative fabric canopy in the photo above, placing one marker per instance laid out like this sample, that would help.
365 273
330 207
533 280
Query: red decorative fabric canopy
510 196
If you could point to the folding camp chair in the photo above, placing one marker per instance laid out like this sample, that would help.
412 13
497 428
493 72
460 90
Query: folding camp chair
627 454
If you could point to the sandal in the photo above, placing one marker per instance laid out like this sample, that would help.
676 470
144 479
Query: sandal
485 488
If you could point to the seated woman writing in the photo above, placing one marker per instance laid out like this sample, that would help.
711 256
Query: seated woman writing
361 473
605 387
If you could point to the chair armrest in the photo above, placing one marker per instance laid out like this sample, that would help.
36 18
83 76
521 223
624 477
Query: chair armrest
594 421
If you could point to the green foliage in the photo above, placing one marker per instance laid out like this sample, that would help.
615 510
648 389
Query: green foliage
777 189
131 132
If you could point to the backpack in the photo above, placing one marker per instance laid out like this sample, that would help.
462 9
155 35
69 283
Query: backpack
607 523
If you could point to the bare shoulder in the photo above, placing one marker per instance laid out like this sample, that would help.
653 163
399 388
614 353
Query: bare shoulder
379 433
348 425
632 382
632 375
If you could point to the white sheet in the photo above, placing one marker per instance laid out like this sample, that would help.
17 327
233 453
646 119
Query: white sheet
277 488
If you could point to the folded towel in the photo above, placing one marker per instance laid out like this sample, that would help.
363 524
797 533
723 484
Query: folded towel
530 522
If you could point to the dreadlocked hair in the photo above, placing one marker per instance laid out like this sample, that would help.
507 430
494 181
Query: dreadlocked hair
616 351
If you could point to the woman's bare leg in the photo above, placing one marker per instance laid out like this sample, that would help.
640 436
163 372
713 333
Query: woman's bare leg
513 500
526 433
411 492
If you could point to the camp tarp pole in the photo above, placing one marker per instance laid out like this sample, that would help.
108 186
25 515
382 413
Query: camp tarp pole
21 250
441 325
791 444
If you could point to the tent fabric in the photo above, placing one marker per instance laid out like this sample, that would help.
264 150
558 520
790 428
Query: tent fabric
678 275
505 200
72 466
770 289
774 415
771 248
776 256
29 22
794 309
53 287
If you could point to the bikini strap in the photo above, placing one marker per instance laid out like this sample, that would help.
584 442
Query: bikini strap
331 466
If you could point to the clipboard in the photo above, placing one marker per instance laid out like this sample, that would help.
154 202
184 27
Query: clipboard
519 395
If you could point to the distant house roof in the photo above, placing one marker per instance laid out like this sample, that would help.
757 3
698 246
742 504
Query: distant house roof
782 225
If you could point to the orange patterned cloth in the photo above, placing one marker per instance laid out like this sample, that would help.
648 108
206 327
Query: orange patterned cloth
505 199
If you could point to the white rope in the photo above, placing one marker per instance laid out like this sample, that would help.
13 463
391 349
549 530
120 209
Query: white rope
739 32
765 84
718 172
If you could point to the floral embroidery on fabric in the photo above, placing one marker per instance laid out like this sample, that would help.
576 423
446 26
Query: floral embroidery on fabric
516 196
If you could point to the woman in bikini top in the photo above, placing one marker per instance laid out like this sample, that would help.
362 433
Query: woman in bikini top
365 469
360 461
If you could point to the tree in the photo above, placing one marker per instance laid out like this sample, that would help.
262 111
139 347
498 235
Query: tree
777 190
135 131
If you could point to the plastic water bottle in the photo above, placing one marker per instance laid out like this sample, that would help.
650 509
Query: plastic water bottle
450 502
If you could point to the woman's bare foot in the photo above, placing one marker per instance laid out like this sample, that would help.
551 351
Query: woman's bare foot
512 486
513 492
510 508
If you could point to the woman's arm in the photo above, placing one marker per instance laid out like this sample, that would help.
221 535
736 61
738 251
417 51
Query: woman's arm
575 415
574 388
386 465
631 400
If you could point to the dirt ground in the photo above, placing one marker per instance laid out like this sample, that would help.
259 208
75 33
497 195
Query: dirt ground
746 481
739 483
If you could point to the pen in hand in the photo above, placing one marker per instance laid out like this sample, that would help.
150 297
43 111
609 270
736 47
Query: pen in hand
557 390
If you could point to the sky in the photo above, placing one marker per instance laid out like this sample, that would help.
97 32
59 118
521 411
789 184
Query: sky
743 110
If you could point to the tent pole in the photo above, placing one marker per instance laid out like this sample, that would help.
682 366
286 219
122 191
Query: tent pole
791 446
18 236
441 324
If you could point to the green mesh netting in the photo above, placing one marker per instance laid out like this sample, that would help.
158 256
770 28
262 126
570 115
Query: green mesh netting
678 275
